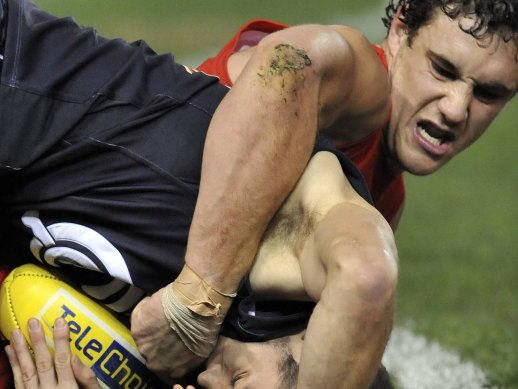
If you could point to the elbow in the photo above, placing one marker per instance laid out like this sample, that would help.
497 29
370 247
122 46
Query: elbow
375 282
368 273
377 277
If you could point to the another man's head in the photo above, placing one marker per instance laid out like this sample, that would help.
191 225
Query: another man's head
265 365
453 66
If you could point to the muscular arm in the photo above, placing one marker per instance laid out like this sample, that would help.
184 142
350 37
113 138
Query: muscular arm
352 273
257 146
259 142
348 265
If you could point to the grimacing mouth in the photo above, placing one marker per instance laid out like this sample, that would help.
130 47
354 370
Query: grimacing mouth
434 134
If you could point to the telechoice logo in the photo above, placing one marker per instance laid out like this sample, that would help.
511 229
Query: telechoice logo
115 361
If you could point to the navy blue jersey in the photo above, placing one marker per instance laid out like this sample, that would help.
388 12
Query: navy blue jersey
101 144
100 151
3 21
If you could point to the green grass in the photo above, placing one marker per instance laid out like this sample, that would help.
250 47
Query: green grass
187 27
459 253
458 240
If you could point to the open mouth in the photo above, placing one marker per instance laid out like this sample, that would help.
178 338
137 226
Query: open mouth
433 134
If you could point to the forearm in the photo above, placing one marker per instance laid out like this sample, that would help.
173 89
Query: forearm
344 351
258 144
352 320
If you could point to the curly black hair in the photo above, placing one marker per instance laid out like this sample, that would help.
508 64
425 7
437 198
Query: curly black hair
491 16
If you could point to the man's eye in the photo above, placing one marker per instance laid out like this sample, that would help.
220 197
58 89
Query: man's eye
486 95
236 379
443 72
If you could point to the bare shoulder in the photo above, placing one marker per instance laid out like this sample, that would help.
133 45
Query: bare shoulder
325 45
354 93
324 188
319 43
324 184
364 105
339 65
363 53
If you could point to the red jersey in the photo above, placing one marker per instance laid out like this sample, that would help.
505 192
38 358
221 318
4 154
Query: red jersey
387 189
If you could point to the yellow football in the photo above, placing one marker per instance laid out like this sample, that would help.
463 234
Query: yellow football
99 339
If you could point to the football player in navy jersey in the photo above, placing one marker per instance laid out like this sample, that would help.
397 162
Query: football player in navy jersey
324 234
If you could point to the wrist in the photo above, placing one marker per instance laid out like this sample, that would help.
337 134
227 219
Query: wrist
195 311
199 297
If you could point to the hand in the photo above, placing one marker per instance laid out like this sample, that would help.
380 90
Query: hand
178 386
65 371
165 353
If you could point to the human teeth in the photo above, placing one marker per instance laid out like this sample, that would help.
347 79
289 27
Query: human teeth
428 137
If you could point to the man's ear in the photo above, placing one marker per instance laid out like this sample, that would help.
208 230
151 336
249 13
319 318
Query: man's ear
397 34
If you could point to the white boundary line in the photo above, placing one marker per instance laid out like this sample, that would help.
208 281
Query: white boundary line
417 363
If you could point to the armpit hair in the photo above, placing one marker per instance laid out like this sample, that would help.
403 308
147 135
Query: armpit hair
291 226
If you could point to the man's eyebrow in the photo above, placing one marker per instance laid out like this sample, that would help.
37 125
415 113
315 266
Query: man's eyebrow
494 87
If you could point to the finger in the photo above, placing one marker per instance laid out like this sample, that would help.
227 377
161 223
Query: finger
85 376
42 355
15 367
62 354
27 377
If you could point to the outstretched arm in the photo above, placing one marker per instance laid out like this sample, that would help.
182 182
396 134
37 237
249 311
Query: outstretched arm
258 144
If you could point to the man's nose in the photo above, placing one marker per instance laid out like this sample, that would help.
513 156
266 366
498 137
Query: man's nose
454 105
208 378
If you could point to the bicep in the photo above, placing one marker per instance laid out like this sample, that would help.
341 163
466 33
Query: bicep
352 236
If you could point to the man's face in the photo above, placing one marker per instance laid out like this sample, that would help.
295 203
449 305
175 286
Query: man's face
241 365
447 88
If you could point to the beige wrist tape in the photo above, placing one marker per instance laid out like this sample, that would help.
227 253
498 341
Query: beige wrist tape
200 297
198 333
195 311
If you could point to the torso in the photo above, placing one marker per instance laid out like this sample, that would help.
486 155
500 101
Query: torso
276 271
